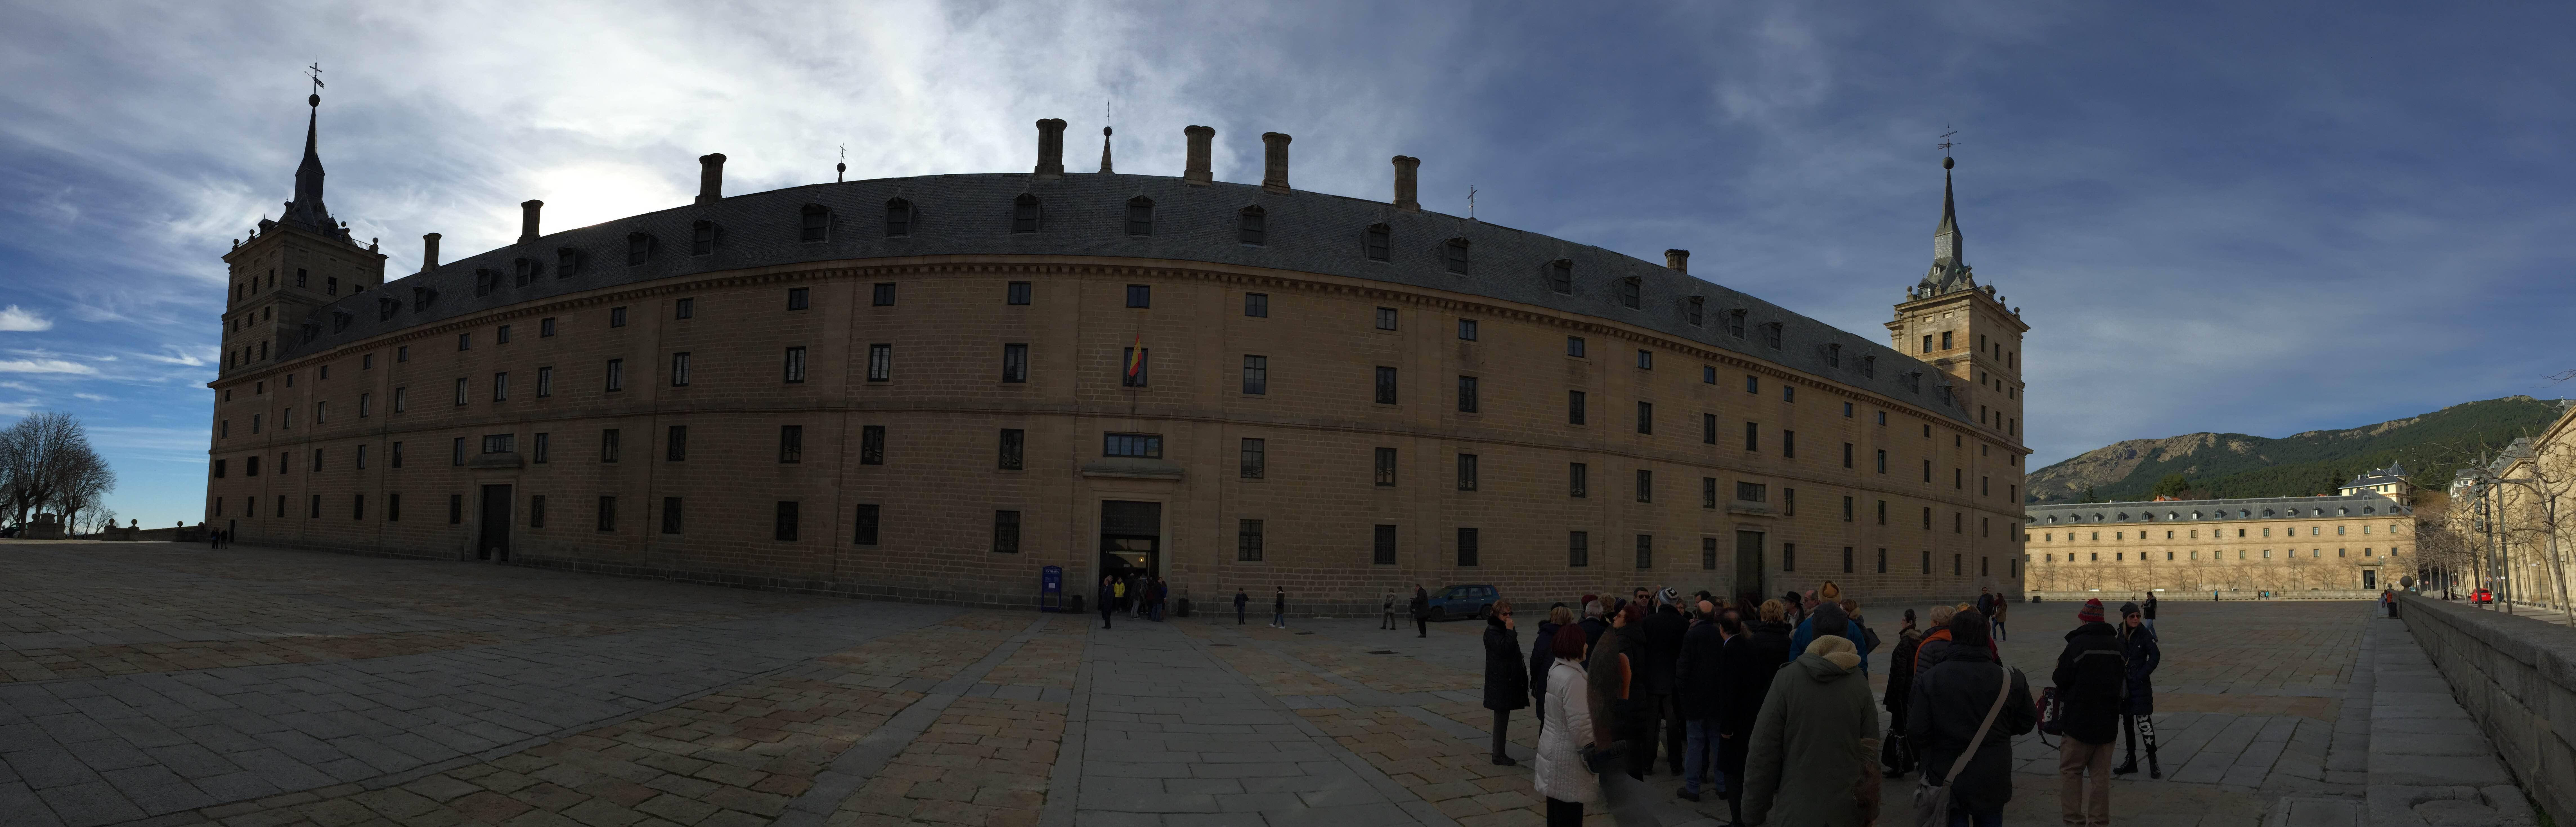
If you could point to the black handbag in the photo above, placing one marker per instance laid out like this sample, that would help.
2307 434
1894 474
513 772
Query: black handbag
2052 712
1894 754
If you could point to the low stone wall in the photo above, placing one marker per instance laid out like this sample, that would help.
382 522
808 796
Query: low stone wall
2110 598
2517 678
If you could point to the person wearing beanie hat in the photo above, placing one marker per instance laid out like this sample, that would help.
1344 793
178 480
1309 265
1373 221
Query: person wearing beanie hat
1944 707
2137 708
2090 674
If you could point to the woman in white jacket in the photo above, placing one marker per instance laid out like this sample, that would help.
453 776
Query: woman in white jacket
1564 732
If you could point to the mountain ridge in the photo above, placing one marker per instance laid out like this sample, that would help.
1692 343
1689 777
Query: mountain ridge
2432 445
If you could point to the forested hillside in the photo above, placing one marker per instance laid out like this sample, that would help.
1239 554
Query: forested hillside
2432 446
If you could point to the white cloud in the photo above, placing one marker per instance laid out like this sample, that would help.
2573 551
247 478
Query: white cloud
92 397
44 366
17 320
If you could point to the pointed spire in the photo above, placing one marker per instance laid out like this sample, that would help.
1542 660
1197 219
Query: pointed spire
1104 150
1945 238
307 209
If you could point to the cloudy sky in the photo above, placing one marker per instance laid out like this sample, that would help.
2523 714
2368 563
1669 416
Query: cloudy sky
2261 218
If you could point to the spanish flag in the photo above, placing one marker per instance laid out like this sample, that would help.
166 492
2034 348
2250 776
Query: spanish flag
1136 358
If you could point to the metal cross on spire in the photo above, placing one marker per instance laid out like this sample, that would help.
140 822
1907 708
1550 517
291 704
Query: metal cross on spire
1946 141
314 73
1471 202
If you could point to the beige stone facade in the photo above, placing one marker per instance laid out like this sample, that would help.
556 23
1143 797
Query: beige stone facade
941 427
2280 544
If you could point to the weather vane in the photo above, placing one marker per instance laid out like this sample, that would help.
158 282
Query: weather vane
841 167
1946 142
314 73
1471 202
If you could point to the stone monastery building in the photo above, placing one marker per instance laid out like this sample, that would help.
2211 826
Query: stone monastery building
2358 539
931 388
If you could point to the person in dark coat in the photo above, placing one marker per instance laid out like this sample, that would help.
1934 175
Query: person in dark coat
1612 686
1240 600
2149 611
1696 678
1900 691
1506 674
1279 609
2089 677
1108 599
1596 620
2138 648
1541 657
1946 705
1746 669
1421 611
1664 631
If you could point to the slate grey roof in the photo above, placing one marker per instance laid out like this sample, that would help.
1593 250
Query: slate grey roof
2184 511
1084 215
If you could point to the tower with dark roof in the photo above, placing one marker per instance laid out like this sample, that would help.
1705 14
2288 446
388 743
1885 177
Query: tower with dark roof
1963 329
292 266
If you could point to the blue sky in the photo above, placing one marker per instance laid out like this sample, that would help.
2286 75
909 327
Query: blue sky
2262 218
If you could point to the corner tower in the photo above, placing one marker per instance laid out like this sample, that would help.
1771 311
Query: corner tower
292 266
1963 328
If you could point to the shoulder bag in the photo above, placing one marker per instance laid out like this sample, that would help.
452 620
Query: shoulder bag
1932 804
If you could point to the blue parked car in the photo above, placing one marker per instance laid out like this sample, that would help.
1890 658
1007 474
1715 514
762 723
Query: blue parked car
1463 601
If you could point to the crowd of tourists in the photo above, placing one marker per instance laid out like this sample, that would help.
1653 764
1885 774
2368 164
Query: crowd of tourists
1766 704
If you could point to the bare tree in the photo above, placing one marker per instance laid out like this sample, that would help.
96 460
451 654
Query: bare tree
46 462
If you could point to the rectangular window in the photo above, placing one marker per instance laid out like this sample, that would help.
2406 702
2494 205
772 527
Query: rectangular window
1385 385
501 386
1382 549
1789 444
1255 459
785 530
1645 551
791 444
1645 486
1386 466
1752 383
1256 305
1788 502
1752 436
545 327
1850 508
456 451
616 375
538 446
1752 492
1016 293
1386 318
1788 556
864 523
680 369
872 444
321 411
1148 446
670 515
1466 547
1467 329
1256 375
1578 549
1882 561
545 382
366 407
1847 559
617 317
465 341
882 295
1247 541
362 457
676 444
1848 448
1574 346
317 460
608 445
1708 492
793 370
501 336
1014 444
799 298
1574 407
455 509
1466 394
607 513
1140 295
1015 363
1645 417
537 511
395 457
1133 363
393 508
1378 242
1466 472
1927 561
1708 553
460 393
1708 429
1882 461
315 510
880 362
1577 480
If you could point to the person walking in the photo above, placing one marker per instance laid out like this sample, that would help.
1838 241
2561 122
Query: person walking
2148 613
2089 677
1240 600
1563 778
2137 710
1388 623
1613 673
1540 659
1814 756
1943 713
1506 675
1108 599
2388 602
1421 611
1279 609
1697 675
1664 632
1900 691
1747 665
1997 619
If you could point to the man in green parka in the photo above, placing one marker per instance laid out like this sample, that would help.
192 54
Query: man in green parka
1814 756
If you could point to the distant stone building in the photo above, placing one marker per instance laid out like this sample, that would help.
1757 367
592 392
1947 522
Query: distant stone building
2390 482
2354 540
928 388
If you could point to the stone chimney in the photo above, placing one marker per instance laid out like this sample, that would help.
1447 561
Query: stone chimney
1274 161
710 177
1404 188
428 252
1197 170
1051 147
1678 260
528 219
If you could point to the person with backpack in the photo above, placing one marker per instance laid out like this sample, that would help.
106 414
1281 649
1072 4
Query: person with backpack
1814 755
2091 676
2137 711
1947 709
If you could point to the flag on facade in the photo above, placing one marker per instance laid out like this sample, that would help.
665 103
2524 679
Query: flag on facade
1136 358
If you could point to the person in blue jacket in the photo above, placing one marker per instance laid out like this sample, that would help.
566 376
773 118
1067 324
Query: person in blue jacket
1806 631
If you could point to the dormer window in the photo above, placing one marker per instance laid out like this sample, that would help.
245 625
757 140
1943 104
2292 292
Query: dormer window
1772 335
331 286
1140 215
898 218
523 271
1455 254
1380 238
567 262
1249 225
1695 310
1943 392
340 321
702 238
817 221
1630 290
1833 356
1912 380
485 281
1024 214
1560 276
1869 366
311 331
1735 323
639 247
385 309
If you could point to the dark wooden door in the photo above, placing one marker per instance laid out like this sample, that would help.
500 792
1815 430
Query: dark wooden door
1748 563
494 544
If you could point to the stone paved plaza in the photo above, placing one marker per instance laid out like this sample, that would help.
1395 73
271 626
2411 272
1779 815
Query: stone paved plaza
165 684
